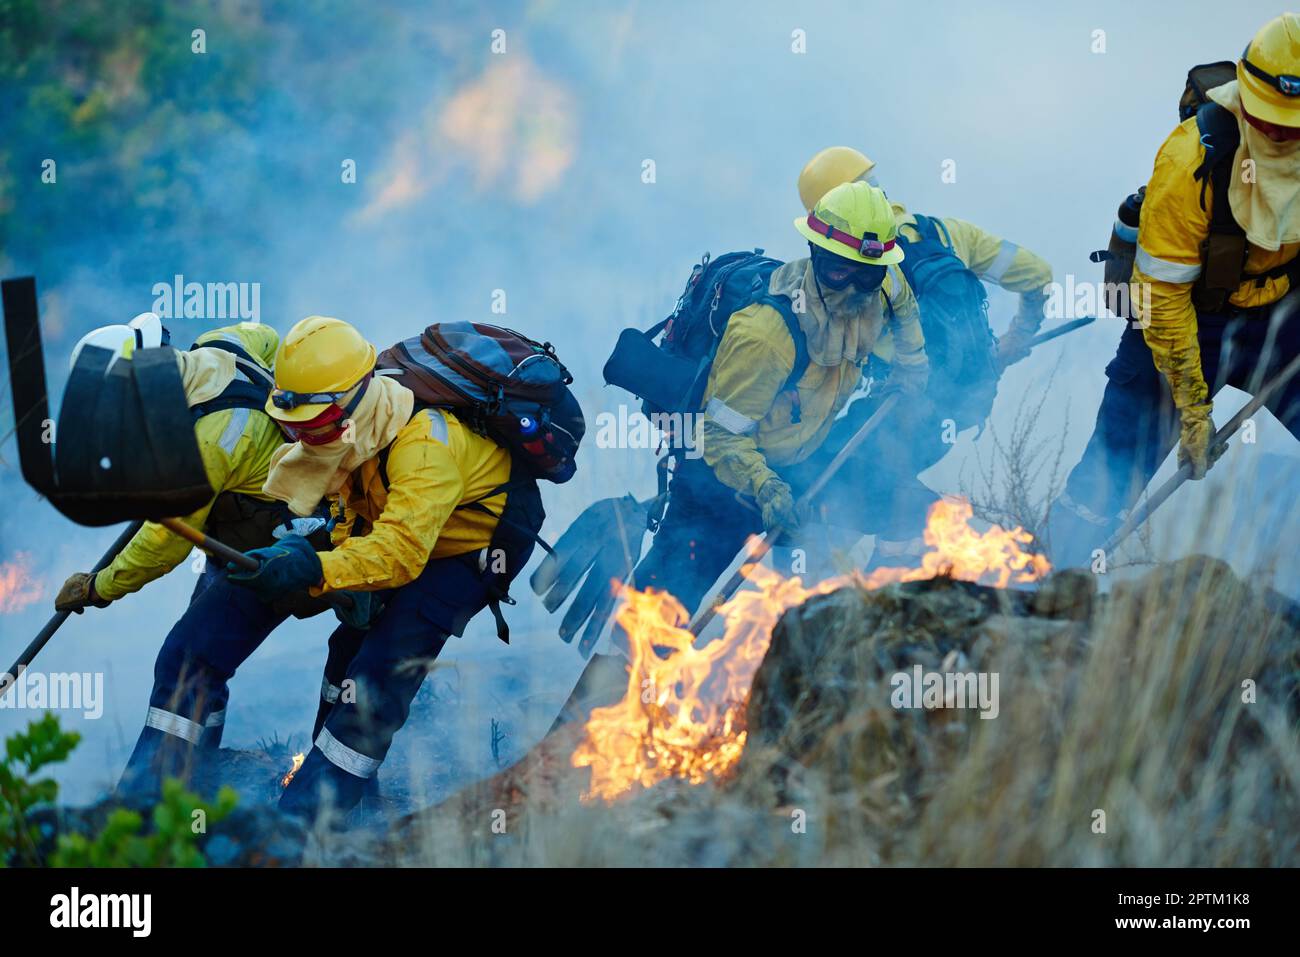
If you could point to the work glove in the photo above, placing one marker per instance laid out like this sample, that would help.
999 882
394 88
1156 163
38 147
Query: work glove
1013 346
78 592
907 379
1196 438
364 609
603 544
776 501
290 565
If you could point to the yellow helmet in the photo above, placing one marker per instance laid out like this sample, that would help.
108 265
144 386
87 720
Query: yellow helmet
854 221
830 168
319 362
1268 73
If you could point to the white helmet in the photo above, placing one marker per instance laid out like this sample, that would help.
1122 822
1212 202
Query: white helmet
145 331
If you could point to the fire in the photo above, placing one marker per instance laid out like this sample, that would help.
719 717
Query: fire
18 588
297 763
683 713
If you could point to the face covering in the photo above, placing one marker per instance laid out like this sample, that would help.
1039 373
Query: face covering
301 475
841 325
1267 207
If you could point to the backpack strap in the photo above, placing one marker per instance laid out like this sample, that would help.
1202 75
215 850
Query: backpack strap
784 307
239 394
1224 251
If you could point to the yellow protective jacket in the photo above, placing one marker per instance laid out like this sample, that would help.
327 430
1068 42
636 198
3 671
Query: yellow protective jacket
385 535
236 446
748 424
1172 227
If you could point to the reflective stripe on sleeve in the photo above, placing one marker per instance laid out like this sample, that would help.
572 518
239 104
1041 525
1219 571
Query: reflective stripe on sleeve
1006 253
1124 231
344 758
438 426
173 724
216 720
1164 270
233 430
729 418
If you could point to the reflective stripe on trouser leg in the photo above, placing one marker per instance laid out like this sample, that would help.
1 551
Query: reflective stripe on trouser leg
174 724
345 758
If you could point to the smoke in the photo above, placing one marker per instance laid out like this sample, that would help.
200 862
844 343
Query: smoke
572 167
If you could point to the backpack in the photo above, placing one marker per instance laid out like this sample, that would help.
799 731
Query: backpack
1224 250
671 376
954 307
501 384
514 391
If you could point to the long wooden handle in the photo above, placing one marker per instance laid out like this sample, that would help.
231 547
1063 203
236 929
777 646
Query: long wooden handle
59 617
764 544
1158 497
227 554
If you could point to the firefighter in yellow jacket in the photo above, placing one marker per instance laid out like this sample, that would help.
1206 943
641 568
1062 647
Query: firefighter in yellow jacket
419 498
1216 250
965 360
757 426
226 376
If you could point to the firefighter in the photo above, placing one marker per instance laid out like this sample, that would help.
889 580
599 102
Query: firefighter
966 361
226 376
1216 251
754 429
419 496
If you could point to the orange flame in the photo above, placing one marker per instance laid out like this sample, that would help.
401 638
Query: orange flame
297 763
18 588
683 713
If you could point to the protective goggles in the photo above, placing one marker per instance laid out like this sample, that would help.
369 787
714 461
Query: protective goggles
838 272
326 427
1272 130
1285 83
869 246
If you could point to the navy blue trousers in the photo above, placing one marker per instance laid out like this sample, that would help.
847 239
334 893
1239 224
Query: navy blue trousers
370 679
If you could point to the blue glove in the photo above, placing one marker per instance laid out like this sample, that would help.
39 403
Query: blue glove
290 565
365 608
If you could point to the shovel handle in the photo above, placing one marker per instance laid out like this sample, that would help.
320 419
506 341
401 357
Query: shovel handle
764 544
227 554
1158 497
1060 330
59 617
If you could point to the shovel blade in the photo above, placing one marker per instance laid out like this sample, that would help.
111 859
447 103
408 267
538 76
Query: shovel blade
125 446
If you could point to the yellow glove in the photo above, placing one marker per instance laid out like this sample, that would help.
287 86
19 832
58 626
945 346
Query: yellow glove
777 504
1197 435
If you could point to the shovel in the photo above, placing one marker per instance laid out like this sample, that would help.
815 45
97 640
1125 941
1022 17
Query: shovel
764 544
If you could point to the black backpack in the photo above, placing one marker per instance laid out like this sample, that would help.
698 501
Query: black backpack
670 376
954 307
1224 250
